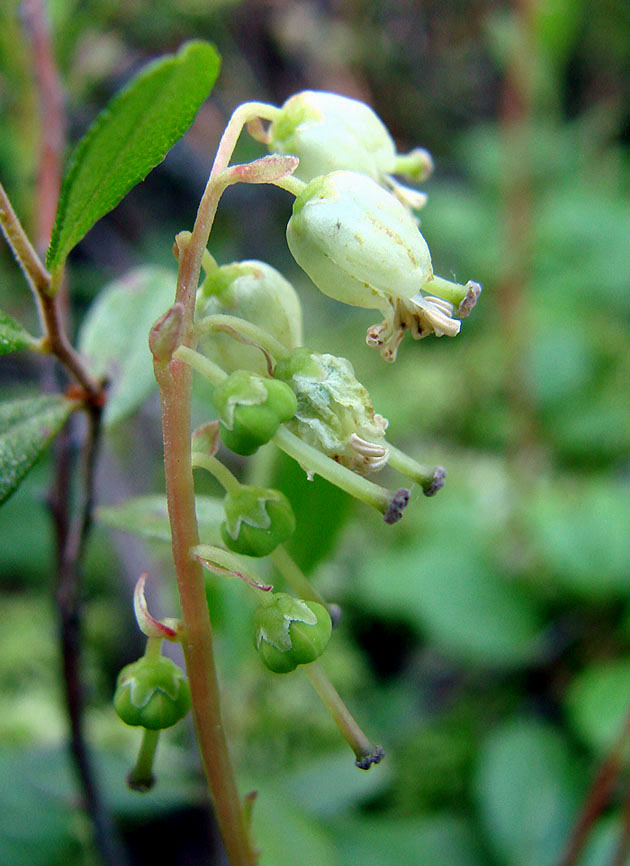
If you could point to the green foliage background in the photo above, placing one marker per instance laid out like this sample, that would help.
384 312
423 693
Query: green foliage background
486 638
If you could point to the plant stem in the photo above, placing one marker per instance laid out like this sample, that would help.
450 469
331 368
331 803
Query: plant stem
364 749
141 777
175 381
211 371
294 576
52 119
317 462
242 115
223 475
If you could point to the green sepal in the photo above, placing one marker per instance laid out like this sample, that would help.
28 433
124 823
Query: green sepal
291 632
256 521
250 409
152 693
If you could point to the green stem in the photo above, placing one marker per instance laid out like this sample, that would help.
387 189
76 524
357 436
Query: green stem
226 479
317 462
153 648
141 777
251 332
292 184
364 749
294 576
36 274
212 372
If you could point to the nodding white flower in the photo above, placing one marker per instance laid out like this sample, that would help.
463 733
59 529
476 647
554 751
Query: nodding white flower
330 132
361 246
335 412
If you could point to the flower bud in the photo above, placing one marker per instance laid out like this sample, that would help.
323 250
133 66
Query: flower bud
153 693
250 409
256 521
256 292
334 410
291 632
361 246
328 132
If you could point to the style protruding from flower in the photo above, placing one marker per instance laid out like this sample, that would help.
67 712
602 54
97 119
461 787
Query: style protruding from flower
334 410
361 246
257 520
250 410
291 632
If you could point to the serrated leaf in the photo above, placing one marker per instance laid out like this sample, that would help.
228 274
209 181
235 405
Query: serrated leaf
129 138
26 429
147 516
13 336
114 337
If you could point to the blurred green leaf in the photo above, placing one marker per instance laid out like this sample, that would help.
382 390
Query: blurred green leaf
27 792
26 429
13 336
441 839
598 703
527 793
129 138
147 516
114 337
581 533
330 785
286 835
603 843
473 614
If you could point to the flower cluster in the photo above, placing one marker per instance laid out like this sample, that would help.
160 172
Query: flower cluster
354 232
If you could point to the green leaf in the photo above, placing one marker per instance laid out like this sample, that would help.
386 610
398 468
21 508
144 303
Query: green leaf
527 792
281 829
13 336
597 703
114 337
469 611
147 516
580 533
443 839
129 138
26 429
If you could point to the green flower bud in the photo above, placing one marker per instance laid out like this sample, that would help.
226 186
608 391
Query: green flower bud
328 132
361 246
334 411
291 632
256 292
250 409
256 521
153 693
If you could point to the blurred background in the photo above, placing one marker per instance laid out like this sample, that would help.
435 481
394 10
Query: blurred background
485 639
